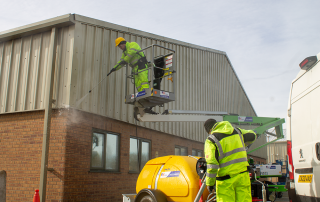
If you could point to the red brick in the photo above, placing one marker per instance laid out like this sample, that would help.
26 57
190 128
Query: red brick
70 155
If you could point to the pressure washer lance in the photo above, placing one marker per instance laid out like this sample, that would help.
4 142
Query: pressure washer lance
264 196
98 83
112 70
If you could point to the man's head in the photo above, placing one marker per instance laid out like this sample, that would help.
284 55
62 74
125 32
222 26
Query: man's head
209 124
121 43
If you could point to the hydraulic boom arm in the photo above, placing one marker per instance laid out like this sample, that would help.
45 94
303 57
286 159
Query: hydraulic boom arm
263 124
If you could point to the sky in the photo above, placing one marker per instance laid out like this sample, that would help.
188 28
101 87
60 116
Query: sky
264 40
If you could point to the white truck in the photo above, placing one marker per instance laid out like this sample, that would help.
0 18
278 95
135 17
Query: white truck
303 133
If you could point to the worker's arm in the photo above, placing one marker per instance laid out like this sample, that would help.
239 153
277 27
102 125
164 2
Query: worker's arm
120 63
248 136
212 163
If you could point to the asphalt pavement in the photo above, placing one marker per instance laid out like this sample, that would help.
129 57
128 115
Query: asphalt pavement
285 197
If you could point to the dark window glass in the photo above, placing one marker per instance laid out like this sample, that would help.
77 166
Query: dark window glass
133 160
140 153
105 151
180 151
197 152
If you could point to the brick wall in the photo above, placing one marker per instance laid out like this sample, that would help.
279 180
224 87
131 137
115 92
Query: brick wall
20 154
70 155
82 185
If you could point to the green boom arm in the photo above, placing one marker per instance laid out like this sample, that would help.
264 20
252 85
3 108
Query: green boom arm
262 123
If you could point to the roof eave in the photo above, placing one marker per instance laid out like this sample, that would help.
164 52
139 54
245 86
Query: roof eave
46 25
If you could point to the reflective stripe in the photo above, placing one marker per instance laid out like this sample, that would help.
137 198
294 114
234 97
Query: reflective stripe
217 143
142 84
222 154
240 134
211 175
134 61
138 52
222 165
130 56
213 166
232 152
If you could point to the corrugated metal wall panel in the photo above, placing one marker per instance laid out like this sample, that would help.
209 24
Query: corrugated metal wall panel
205 80
23 71
5 73
262 152
62 82
277 151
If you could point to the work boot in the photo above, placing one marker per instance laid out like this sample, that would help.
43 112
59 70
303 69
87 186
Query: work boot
149 110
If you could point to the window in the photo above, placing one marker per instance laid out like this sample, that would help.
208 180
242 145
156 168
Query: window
140 154
197 152
105 151
3 180
180 151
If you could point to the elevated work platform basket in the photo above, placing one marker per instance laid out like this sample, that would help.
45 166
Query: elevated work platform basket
161 79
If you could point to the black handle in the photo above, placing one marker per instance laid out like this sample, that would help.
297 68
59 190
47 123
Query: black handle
112 70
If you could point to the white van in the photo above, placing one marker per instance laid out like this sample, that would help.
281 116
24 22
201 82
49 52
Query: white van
303 129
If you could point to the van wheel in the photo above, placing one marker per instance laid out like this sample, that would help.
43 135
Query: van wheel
147 198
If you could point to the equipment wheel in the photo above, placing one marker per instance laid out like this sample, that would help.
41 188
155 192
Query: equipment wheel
147 198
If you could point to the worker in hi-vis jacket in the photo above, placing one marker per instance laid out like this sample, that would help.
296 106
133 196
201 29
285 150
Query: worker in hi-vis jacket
226 156
137 61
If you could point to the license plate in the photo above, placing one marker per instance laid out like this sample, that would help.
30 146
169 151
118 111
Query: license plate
305 179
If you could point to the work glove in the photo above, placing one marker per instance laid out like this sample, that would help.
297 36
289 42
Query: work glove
123 62
112 70
210 188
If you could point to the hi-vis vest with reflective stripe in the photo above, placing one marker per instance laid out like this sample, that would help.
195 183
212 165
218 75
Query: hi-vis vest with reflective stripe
129 55
225 151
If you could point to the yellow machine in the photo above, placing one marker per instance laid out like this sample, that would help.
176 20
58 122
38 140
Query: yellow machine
169 178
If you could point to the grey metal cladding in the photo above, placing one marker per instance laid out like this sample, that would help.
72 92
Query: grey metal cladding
85 49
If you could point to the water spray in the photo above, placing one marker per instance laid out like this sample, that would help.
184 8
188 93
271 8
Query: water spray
80 100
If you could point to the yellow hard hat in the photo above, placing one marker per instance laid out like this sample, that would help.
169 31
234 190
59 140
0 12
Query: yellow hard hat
118 40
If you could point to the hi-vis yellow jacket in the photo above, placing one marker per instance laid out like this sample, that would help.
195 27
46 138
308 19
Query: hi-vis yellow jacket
225 151
130 56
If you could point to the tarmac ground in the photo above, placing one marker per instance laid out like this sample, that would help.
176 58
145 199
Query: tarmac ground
285 197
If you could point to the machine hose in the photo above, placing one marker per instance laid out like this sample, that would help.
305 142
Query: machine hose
213 198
